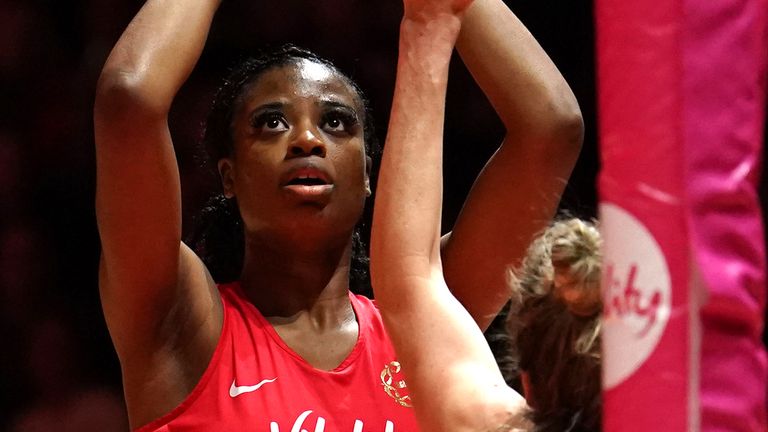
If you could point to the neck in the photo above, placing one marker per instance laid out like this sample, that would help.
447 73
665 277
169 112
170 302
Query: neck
283 280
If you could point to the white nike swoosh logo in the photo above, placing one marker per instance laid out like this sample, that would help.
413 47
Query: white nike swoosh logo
235 391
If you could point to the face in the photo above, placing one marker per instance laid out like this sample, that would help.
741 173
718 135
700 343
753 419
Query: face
299 166
581 300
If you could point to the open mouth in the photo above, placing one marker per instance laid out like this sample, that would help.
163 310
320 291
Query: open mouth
307 184
307 181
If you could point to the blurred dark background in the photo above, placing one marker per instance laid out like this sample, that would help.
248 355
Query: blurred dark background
57 366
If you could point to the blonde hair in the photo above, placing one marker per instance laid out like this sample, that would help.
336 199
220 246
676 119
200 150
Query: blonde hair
554 325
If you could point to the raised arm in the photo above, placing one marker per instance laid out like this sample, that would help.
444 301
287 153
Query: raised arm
518 191
452 376
155 292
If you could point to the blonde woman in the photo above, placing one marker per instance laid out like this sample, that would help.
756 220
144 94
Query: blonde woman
554 324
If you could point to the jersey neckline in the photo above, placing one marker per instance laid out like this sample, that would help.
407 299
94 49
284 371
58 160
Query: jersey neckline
362 334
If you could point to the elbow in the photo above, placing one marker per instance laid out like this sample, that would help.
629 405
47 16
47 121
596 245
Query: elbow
565 122
555 127
568 129
561 120
496 408
121 94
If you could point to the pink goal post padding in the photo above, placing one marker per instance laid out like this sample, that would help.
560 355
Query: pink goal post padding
681 92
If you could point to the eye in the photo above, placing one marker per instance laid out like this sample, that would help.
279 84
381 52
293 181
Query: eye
334 124
270 122
339 122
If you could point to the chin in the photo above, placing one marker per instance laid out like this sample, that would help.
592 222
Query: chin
312 224
309 222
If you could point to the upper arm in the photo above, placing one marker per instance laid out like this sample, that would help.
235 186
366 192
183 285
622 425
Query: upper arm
518 191
144 266
138 195
138 211
513 198
452 376
164 346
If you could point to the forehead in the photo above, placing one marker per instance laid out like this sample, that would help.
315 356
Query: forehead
303 79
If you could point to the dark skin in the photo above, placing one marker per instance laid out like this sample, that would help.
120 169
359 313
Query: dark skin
163 309
297 255
298 248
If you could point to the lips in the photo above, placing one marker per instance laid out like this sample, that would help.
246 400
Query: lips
306 176
307 184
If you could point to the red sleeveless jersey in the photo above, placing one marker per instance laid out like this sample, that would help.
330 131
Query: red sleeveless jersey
255 382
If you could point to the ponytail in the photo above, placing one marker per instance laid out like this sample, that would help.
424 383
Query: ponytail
554 326
218 238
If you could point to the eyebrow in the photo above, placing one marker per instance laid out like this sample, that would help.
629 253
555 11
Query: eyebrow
325 103
268 106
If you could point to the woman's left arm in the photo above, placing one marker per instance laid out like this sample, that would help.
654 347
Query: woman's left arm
519 189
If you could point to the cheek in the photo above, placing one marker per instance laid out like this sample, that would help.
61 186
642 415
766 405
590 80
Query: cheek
255 175
572 295
258 163
248 181
350 166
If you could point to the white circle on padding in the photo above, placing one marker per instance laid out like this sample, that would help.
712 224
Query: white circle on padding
636 290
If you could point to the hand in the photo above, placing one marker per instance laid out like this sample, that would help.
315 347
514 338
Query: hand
429 9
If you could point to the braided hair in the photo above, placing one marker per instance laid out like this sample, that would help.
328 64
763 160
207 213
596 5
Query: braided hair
218 235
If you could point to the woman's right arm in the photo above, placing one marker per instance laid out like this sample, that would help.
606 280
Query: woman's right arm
452 377
156 294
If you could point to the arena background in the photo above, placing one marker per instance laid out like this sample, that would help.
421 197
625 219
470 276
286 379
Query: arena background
57 361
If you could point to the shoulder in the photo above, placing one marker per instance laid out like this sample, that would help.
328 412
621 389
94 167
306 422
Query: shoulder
230 291
372 325
367 312
363 301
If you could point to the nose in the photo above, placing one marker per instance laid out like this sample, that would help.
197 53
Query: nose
307 143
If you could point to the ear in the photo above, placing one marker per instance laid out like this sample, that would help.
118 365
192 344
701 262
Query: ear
368 167
226 172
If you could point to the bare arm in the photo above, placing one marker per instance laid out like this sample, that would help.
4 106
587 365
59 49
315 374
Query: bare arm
451 373
158 300
518 191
